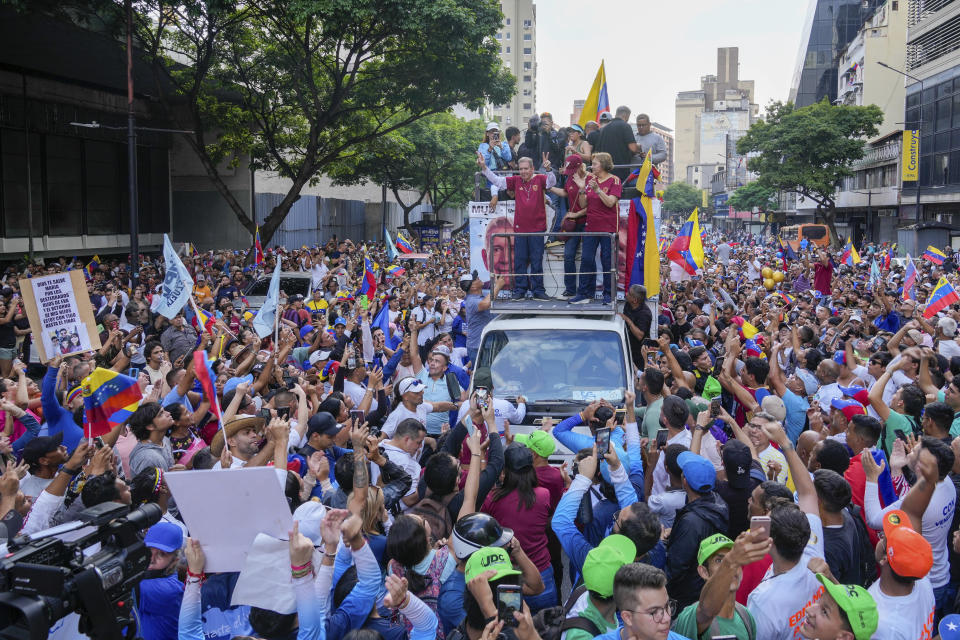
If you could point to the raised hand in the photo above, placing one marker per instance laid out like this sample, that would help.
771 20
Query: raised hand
301 547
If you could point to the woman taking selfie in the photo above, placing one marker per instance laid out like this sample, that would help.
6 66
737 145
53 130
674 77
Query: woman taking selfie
599 193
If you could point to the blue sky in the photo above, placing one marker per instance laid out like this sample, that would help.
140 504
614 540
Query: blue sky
655 49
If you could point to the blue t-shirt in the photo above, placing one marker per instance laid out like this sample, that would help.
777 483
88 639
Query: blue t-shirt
615 635
159 608
796 415
476 319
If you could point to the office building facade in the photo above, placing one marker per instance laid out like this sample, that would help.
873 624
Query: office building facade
518 50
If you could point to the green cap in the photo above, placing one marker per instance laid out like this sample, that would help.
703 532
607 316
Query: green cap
857 603
712 388
696 406
601 564
711 544
540 442
489 559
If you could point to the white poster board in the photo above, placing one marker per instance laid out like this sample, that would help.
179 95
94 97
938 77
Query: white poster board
225 509
60 314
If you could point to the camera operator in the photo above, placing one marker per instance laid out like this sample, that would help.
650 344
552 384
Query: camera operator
51 499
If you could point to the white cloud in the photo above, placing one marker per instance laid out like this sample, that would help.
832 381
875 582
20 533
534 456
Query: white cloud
654 50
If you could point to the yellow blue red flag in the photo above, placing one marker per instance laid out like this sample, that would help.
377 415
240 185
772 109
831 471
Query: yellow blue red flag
597 101
109 399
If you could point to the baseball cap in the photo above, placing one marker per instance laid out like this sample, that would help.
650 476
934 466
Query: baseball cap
915 335
577 128
698 471
737 461
165 536
849 408
711 544
493 559
476 531
840 357
492 125
696 407
774 406
517 457
949 627
860 394
482 378
340 322
908 553
856 316
232 383
540 442
310 516
603 561
322 423
306 330
466 280
443 350
810 383
318 356
605 116
41 446
573 163
411 385
857 603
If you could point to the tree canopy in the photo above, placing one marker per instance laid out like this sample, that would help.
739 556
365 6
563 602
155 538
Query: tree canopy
433 157
753 195
809 150
297 86
680 197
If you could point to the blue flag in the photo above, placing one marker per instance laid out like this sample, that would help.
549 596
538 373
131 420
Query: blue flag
391 250
177 284
267 314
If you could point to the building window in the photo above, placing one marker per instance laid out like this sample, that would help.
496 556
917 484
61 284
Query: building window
527 92
499 35
508 119
527 24
527 51
895 5
508 21
528 78
527 66
527 106
508 35
508 49
528 36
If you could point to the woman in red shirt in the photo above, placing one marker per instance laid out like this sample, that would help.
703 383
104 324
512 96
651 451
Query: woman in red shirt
600 194
520 504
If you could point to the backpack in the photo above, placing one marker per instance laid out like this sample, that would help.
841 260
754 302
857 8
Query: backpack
867 560
551 622
453 386
437 514
744 618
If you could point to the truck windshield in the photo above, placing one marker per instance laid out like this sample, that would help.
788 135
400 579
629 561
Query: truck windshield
563 365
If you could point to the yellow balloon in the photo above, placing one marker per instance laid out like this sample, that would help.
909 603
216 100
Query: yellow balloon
778 276
767 273
769 283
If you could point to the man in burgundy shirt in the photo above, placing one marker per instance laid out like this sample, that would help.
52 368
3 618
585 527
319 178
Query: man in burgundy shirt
530 216
823 274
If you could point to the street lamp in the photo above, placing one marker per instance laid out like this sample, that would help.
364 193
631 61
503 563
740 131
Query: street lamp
919 123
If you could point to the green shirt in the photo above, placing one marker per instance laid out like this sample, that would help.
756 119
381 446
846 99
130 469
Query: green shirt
686 625
895 421
593 615
651 419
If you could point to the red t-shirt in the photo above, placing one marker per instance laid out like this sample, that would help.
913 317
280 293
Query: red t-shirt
822 275
530 214
573 195
752 576
600 217
529 525
551 479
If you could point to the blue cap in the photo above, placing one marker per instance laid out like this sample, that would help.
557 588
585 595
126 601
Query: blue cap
340 322
840 357
694 343
949 627
165 536
698 471
232 383
843 403
305 330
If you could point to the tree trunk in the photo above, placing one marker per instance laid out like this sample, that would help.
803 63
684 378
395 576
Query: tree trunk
830 218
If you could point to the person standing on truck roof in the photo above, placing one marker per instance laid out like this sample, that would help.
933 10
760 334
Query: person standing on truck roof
530 216
600 194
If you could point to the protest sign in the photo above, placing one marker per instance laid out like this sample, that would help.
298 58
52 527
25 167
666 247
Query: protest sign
60 314
217 506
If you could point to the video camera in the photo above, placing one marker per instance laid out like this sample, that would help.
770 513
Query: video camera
90 566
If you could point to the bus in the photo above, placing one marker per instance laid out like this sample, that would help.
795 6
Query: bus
817 234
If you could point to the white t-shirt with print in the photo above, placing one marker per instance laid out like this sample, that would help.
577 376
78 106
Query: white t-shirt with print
401 413
904 617
779 603
406 461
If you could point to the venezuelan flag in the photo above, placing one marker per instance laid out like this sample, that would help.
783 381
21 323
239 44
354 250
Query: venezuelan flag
597 101
786 297
747 330
369 285
203 369
91 267
344 295
396 271
644 269
934 255
202 321
109 399
403 245
942 297
910 280
752 350
687 247
850 255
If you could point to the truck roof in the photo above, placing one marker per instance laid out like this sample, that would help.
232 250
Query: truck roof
589 323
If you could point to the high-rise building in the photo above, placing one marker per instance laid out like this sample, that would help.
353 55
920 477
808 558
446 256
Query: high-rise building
724 104
577 111
830 26
933 107
666 167
518 50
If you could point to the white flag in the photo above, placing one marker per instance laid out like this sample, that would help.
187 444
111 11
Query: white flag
177 283
266 316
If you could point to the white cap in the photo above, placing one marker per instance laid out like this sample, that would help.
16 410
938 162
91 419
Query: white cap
310 516
492 125
411 385
317 356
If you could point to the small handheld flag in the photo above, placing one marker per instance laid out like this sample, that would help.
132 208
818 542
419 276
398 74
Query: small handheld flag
910 280
109 399
258 258
369 285
850 255
687 247
934 255
396 271
403 245
942 297
91 267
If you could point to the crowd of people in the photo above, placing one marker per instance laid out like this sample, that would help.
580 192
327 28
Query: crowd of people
786 464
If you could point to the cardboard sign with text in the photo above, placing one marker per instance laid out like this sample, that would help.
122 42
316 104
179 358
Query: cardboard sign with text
60 314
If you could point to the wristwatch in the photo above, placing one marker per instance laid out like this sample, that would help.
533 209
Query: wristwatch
73 473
